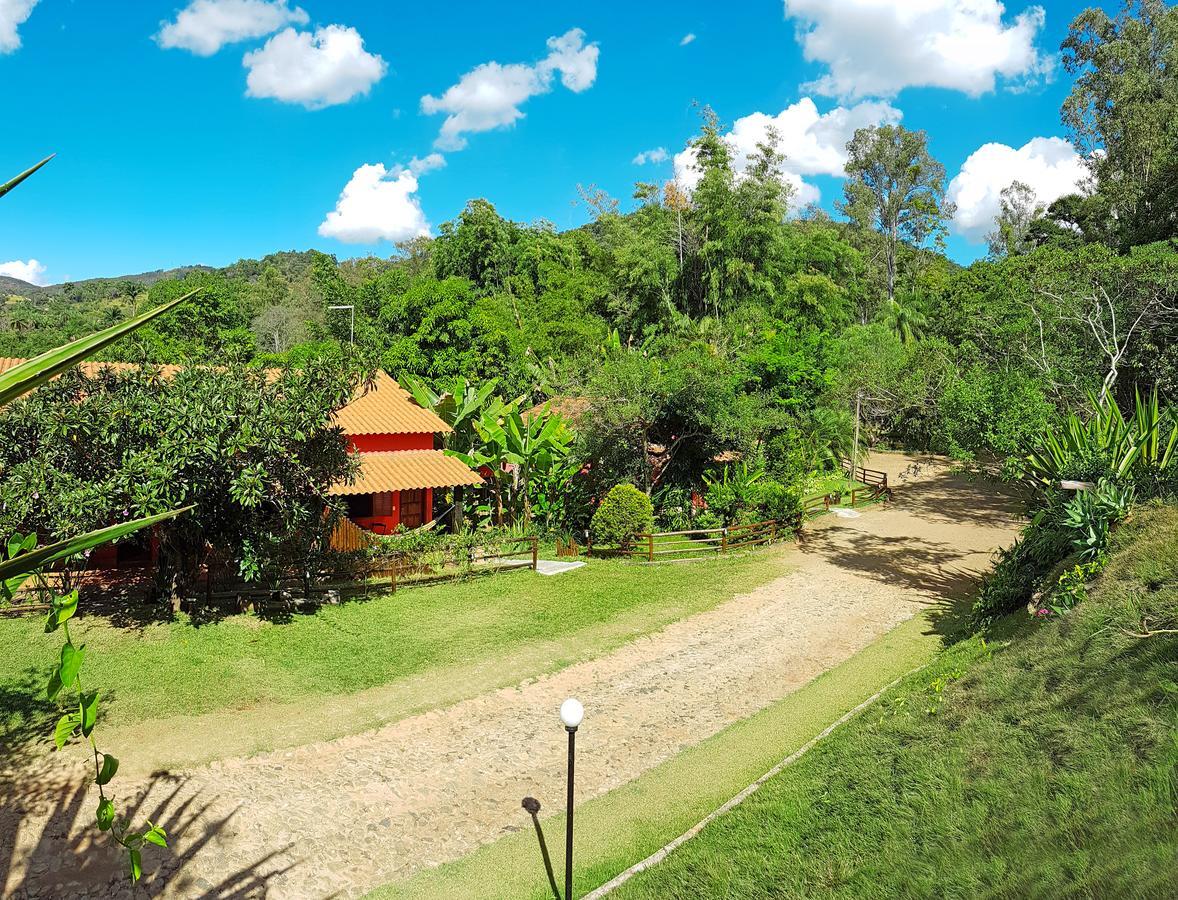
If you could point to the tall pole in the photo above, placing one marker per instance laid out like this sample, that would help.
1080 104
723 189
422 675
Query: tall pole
568 825
855 448
571 714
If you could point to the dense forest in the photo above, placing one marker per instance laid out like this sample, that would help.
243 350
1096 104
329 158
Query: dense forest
710 322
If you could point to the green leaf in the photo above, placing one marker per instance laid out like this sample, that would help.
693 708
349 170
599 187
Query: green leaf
110 765
89 712
155 835
71 662
66 607
136 860
105 814
30 562
9 185
53 688
66 726
21 379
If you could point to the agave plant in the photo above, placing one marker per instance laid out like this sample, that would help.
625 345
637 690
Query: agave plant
1108 441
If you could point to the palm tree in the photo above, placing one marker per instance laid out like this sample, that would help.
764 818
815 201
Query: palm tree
904 317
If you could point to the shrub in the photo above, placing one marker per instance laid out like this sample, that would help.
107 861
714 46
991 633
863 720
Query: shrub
1021 567
779 502
624 512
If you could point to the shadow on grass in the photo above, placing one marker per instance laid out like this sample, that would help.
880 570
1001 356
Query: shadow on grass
50 846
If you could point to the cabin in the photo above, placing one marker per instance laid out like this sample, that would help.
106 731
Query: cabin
402 468
401 465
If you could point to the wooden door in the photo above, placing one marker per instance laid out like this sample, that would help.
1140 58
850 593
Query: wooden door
413 508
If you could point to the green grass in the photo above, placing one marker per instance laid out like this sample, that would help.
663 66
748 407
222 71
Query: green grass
164 669
1043 763
628 823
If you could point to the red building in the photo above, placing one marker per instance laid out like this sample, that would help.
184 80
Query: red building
401 465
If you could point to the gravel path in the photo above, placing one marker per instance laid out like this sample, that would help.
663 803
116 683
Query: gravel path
340 817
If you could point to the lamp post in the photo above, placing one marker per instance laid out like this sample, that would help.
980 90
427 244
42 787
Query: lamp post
571 714
352 308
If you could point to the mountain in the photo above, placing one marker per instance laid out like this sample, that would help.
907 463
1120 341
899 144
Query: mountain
9 285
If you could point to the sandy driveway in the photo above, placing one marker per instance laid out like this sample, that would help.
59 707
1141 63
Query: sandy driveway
343 816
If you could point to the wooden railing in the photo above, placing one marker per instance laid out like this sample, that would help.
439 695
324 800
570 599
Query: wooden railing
873 478
348 537
696 541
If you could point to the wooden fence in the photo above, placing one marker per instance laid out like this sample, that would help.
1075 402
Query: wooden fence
691 543
874 478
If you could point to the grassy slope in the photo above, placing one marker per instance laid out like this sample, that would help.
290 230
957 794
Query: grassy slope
163 669
1049 767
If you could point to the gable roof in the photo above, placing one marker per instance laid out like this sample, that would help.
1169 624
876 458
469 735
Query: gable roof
387 408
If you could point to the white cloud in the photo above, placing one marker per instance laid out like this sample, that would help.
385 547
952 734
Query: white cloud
490 95
377 204
322 69
687 39
205 26
31 271
1050 165
657 155
428 164
813 143
876 48
13 13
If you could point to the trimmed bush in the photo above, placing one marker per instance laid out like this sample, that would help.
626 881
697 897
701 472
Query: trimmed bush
624 512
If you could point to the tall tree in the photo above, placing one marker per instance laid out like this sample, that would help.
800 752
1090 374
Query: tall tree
1012 226
895 185
1123 113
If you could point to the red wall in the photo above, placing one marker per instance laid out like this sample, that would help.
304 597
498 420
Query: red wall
374 443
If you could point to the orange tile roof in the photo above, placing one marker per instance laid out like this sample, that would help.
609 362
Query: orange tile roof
92 369
384 407
403 470
387 408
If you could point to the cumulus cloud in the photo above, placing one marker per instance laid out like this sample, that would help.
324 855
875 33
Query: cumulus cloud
205 26
377 204
321 69
13 13
813 143
31 271
687 39
876 48
489 96
657 155
1050 165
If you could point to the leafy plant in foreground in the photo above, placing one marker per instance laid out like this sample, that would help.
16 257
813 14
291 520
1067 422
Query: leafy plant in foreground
25 559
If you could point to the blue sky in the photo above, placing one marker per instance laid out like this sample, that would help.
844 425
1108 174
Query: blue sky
172 150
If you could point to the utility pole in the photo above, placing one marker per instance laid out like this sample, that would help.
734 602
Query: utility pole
855 447
352 331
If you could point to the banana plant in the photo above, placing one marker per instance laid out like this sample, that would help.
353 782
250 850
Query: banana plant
458 407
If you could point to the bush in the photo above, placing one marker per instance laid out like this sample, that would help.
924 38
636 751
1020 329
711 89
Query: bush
779 502
624 512
1021 568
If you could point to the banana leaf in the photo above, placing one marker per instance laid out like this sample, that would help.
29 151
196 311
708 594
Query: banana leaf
35 372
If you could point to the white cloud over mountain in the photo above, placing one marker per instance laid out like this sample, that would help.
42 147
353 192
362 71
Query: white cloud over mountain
319 69
876 48
205 26
13 14
30 270
489 96
813 143
378 204
1050 165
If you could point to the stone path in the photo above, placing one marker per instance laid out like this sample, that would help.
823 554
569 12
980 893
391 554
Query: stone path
340 817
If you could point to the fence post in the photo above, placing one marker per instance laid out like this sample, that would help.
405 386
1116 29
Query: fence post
772 532
852 497
650 546
535 551
724 541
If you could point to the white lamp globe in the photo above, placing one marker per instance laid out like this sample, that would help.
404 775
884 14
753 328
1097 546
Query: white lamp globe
571 713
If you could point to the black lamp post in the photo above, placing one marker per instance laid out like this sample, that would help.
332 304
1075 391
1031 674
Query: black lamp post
571 714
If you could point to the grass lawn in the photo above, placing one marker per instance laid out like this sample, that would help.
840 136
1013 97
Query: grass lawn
498 628
1043 763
